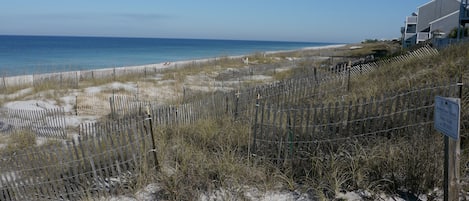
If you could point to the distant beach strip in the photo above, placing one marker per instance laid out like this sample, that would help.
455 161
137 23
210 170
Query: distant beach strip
31 79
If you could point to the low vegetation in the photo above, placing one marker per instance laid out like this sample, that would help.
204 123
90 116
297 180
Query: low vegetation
215 154
407 165
207 156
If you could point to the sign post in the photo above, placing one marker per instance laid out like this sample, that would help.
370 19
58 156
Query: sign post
447 121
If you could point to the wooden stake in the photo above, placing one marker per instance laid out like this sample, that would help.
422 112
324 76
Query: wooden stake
451 183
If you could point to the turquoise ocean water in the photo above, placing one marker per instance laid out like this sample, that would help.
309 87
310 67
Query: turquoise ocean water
43 54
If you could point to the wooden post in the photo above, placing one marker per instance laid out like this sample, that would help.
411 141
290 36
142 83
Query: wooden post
255 126
452 163
76 105
451 172
226 103
61 79
34 81
4 83
290 136
155 157
349 66
113 106
316 76
236 105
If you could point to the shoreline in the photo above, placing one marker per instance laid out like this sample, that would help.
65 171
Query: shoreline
308 48
30 79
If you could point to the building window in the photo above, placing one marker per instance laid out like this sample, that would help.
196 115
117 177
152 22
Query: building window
411 28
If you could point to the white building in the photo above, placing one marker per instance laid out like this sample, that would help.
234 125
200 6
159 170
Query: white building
434 19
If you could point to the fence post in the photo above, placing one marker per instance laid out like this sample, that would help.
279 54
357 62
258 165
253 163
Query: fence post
112 106
183 94
452 162
34 81
290 136
451 171
77 79
226 103
155 157
61 79
236 105
255 122
76 105
316 76
349 67
4 83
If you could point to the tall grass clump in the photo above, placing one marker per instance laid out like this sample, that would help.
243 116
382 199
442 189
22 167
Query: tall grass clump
451 63
206 156
16 143
408 163
21 140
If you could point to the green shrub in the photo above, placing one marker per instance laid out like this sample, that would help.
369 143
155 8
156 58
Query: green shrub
454 33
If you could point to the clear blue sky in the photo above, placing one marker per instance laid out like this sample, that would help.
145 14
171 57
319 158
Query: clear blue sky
285 20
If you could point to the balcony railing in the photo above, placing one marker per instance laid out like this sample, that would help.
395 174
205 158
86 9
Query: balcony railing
411 20
422 36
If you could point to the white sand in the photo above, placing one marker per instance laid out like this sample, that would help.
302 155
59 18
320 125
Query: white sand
30 105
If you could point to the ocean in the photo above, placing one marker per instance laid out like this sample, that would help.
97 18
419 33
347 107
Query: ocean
21 55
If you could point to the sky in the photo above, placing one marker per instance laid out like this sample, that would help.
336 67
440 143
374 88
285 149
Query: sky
336 21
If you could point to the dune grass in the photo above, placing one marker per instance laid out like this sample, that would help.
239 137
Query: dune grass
215 154
207 156
410 164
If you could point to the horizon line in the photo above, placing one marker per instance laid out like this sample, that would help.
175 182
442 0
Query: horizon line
149 37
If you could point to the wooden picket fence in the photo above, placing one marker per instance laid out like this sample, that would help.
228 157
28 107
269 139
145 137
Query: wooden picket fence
239 104
128 106
105 160
108 157
73 78
363 68
282 134
63 79
44 123
91 104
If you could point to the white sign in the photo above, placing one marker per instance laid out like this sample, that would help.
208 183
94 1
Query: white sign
447 112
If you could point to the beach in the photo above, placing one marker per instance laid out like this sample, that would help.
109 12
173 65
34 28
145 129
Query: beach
84 95
30 79
171 86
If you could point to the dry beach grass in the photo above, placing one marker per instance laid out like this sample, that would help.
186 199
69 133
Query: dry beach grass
211 160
